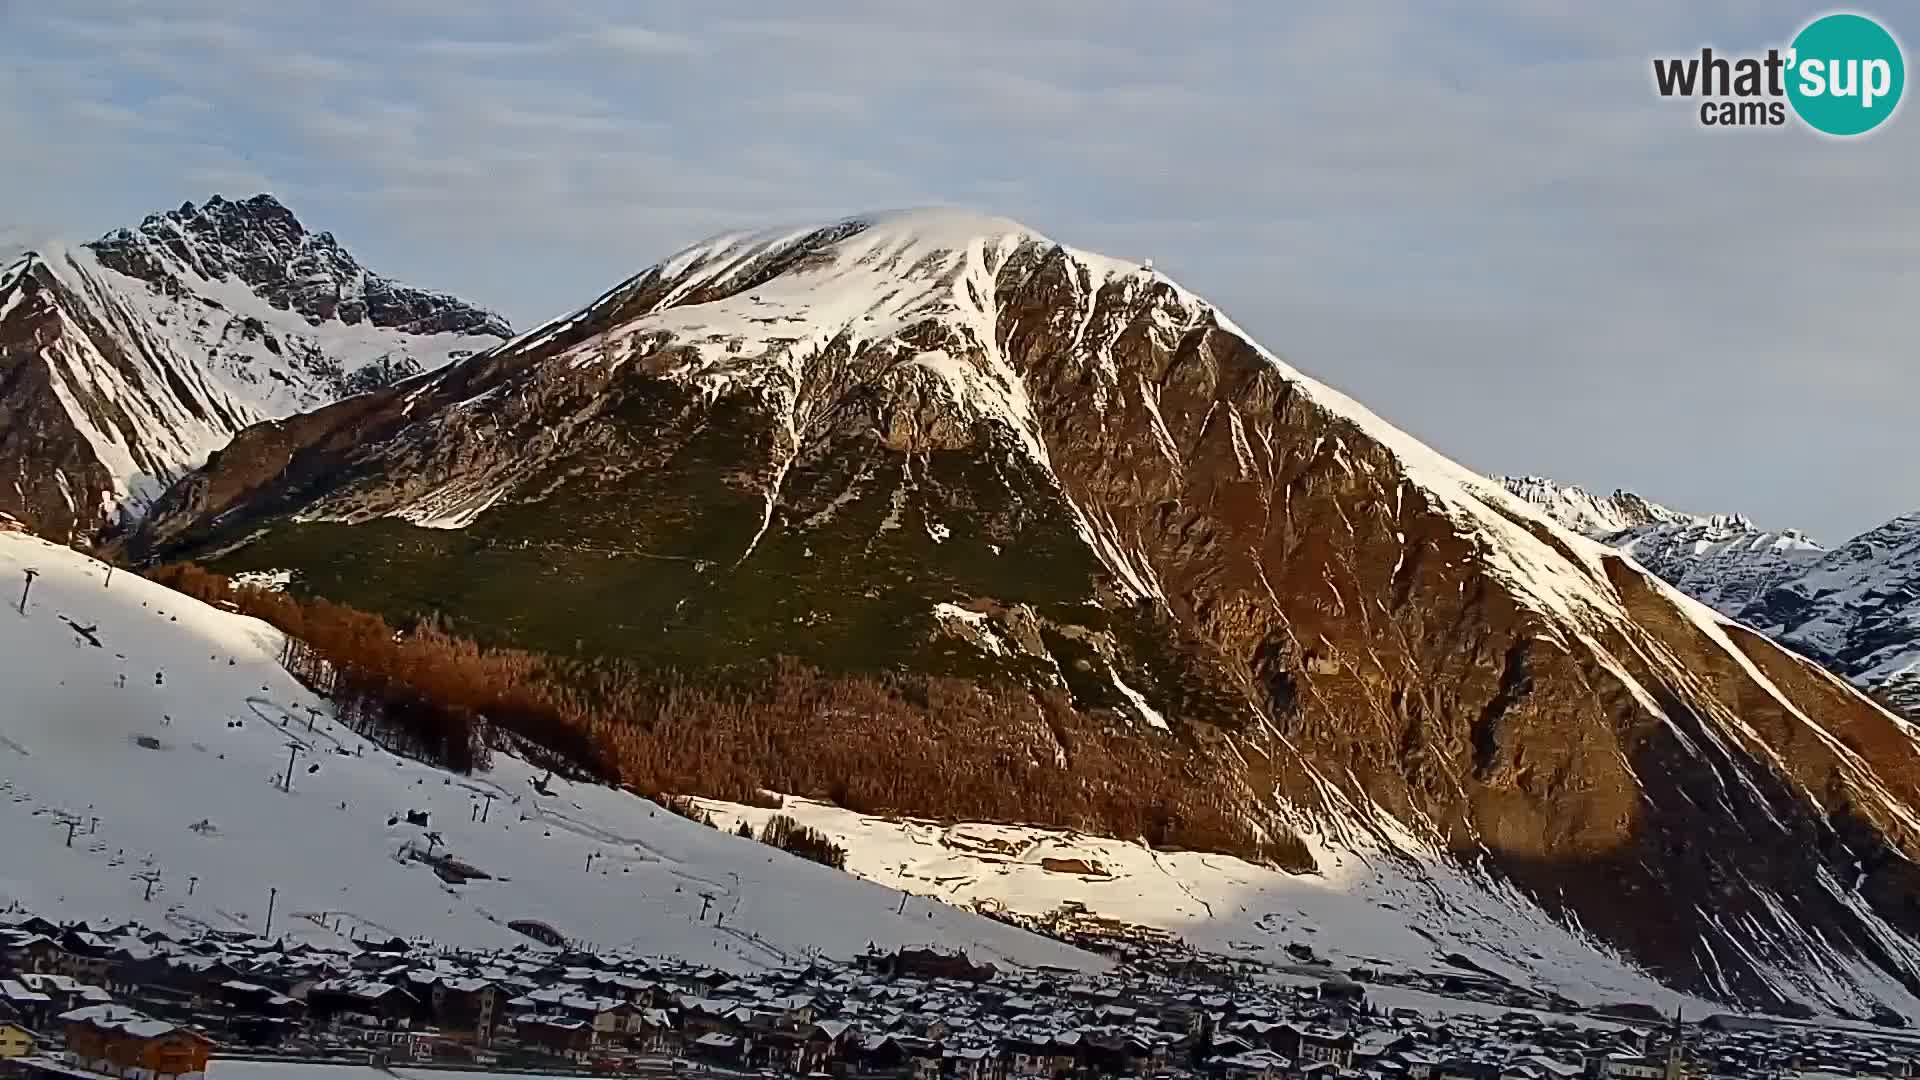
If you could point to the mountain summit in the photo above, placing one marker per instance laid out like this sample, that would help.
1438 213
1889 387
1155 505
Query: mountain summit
939 442
259 244
126 361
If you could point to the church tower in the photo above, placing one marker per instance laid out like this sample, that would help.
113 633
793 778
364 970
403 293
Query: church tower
1676 1047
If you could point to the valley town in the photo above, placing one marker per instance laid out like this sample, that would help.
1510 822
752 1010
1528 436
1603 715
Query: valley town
80 1001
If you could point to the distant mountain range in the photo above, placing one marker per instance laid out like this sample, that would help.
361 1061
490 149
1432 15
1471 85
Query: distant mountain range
1855 609
125 362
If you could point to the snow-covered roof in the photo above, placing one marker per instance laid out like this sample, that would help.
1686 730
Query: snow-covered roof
121 1019
364 989
15 991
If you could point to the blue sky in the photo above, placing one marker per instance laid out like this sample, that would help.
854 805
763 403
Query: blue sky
1479 219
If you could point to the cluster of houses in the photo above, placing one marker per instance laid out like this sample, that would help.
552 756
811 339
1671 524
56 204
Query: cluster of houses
138 1004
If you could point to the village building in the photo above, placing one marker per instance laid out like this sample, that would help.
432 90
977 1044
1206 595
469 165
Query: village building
28 951
119 1042
907 1015
16 1041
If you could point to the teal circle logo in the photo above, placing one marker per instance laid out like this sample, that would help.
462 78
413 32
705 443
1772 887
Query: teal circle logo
1845 74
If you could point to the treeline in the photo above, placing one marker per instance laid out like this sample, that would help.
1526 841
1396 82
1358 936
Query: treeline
425 692
805 841
780 831
687 808
896 744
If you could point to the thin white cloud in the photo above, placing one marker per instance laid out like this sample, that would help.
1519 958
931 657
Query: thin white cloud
643 41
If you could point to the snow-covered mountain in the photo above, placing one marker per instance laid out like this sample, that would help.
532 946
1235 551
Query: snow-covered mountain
127 361
938 442
164 728
1855 609
1722 560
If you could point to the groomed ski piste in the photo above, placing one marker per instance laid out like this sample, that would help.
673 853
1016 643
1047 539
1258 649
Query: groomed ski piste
155 759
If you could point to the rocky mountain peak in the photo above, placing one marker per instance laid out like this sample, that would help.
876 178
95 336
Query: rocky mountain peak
1855 609
260 243
1723 560
126 361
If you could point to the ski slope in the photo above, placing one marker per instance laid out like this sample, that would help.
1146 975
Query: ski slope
167 743
1367 907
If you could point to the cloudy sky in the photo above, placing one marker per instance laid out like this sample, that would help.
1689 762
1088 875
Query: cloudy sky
1479 219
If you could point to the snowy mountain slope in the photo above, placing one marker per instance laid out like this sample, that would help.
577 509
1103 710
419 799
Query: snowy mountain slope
1591 515
182 717
1854 609
940 442
128 361
1724 563
1857 609
1365 910
1722 560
